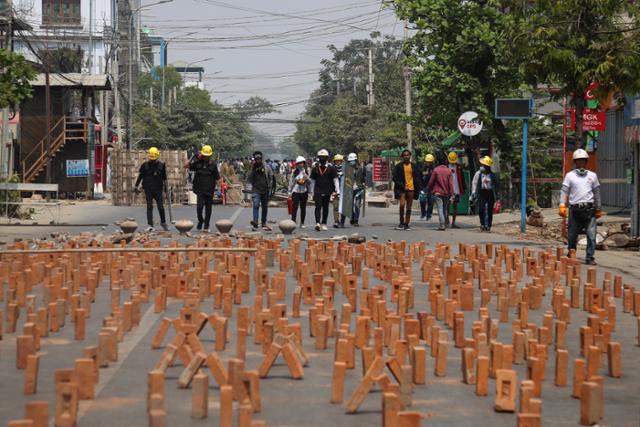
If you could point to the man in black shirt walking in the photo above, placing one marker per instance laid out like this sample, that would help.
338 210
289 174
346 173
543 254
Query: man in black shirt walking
261 178
153 175
324 183
205 177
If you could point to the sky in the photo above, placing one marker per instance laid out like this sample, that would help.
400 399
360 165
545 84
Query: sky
268 48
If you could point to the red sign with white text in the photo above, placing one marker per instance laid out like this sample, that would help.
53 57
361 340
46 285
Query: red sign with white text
380 170
592 120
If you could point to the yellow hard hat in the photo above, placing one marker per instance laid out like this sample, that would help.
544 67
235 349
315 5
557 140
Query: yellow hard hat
154 153
338 157
453 157
207 151
486 160
429 158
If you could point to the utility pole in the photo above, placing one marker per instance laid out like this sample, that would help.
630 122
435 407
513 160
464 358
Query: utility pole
90 61
5 139
371 97
130 117
407 94
115 65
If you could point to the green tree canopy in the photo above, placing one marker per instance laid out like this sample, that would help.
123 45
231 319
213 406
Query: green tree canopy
15 79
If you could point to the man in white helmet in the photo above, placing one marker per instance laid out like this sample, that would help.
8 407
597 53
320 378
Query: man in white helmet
581 191
324 185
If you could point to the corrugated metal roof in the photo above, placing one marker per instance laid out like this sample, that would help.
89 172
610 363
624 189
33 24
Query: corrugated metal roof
74 80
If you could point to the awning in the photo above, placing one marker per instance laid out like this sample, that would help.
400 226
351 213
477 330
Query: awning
74 81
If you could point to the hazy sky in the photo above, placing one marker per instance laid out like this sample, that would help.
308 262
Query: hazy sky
270 48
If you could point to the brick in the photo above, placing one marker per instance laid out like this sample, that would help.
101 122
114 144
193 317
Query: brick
226 406
38 412
295 367
594 359
245 414
191 370
441 359
505 390
200 396
86 378
337 383
590 403
161 333
482 375
614 359
80 322
409 419
468 366
526 395
251 381
24 347
579 374
66 404
535 372
31 374
155 388
561 368
419 361
20 423
529 420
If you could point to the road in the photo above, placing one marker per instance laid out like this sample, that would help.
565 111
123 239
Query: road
443 401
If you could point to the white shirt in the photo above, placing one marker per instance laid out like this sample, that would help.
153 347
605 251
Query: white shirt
580 188
454 171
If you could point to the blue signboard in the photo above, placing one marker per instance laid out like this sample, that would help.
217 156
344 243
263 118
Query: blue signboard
77 168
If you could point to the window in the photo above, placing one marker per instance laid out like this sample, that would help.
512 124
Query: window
61 12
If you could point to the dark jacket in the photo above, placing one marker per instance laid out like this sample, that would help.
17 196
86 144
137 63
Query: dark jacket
398 178
425 172
324 183
261 179
359 178
205 175
153 175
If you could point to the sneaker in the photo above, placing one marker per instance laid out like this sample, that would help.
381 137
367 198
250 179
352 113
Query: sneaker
336 225
164 226
428 218
199 226
487 229
266 227
150 228
423 217
355 224
591 262
253 224
205 230
406 227
324 227
400 227
442 228
454 226
303 226
318 228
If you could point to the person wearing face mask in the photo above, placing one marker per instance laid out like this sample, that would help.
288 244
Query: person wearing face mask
324 185
153 175
338 218
299 185
581 190
485 190
359 187
425 197
261 180
205 177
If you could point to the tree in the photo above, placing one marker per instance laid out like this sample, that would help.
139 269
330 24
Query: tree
573 43
15 79
462 59
149 83
337 116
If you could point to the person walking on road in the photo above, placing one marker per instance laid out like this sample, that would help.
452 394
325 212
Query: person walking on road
324 184
299 186
153 176
458 187
359 187
406 180
581 190
338 218
261 180
369 172
425 197
485 191
205 177
441 186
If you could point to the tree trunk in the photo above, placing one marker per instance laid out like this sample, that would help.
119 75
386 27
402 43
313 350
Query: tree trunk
578 102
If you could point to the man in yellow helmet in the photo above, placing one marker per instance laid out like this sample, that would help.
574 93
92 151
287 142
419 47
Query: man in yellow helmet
485 189
458 187
153 175
205 177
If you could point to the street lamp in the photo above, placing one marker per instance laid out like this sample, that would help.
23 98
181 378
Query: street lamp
134 12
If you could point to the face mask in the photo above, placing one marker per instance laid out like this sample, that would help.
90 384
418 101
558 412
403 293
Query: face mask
322 161
352 162
483 168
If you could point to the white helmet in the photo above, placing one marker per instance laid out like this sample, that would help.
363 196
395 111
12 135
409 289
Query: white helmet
351 157
580 154
323 152
300 159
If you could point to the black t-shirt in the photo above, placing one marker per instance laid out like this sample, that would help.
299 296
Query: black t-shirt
323 177
205 177
153 174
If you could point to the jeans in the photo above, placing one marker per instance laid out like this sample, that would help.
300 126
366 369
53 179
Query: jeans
442 202
322 207
426 206
204 201
406 202
576 226
258 200
156 195
357 204
486 200
299 200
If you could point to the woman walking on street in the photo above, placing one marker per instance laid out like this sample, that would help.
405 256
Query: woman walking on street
441 186
299 185
485 189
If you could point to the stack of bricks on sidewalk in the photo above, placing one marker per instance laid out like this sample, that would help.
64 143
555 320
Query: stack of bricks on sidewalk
125 166
361 304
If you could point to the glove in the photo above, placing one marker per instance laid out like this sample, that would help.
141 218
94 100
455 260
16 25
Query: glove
563 211
599 213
